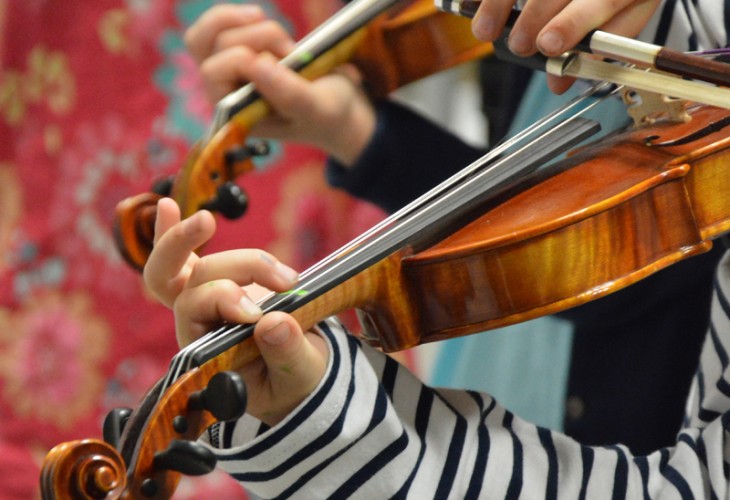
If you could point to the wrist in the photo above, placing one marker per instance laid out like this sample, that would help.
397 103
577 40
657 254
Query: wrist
359 127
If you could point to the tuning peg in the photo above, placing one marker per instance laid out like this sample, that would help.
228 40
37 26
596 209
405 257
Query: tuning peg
187 457
225 396
250 150
230 201
114 424
163 186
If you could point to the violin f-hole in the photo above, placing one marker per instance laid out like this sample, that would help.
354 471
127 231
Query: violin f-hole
715 126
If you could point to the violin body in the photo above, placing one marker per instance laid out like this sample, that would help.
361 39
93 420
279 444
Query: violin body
386 56
618 212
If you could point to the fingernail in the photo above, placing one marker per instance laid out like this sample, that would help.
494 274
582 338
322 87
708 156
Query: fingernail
286 272
249 307
278 334
519 43
249 10
550 43
265 66
485 28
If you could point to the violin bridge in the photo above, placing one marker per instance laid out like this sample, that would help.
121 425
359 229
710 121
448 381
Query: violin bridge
646 107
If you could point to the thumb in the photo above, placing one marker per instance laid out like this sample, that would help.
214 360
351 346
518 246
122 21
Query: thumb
295 361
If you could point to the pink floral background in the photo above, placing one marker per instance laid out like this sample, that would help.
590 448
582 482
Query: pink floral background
97 100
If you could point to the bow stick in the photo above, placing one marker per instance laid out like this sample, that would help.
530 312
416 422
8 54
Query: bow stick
629 51
580 65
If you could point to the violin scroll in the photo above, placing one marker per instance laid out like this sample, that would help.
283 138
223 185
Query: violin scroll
133 228
205 182
96 469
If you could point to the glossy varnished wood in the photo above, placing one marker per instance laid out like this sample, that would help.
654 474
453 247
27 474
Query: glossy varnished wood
83 469
407 44
618 213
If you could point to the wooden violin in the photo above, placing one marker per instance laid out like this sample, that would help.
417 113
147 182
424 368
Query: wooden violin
379 37
492 246
605 216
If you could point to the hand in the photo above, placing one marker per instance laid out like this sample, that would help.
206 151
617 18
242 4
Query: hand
555 26
234 44
205 291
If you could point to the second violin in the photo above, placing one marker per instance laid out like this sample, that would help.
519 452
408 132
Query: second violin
378 36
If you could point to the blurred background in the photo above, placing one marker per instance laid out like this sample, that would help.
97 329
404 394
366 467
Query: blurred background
97 101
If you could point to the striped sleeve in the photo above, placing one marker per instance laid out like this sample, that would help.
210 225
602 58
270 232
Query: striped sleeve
709 396
689 25
373 430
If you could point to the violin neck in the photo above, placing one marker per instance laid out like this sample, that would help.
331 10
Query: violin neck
348 20
357 275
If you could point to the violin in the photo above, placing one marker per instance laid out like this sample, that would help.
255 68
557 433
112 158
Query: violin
603 217
378 36
503 241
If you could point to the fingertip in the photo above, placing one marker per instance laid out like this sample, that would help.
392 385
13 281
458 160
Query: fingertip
286 274
167 215
286 46
250 11
249 308
551 43
484 27
265 65
238 310
520 43
167 209
166 202
201 222
558 85
277 335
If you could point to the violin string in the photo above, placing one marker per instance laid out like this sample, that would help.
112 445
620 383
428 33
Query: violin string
386 243
186 356
468 171
315 275
456 197
460 176
183 361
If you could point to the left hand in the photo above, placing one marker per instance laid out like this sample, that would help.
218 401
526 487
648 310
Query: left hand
238 43
205 291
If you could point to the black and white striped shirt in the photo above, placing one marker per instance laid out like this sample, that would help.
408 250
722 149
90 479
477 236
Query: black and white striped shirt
373 430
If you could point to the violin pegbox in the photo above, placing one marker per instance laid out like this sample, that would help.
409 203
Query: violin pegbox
645 107
230 200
